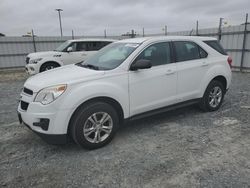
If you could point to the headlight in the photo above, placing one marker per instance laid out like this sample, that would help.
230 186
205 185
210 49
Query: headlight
49 94
34 61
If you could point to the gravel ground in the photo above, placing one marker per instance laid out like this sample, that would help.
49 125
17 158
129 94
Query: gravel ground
181 148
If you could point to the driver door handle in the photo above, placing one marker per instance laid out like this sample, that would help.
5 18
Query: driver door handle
204 64
170 71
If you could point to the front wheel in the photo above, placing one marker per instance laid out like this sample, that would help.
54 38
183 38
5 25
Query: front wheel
94 125
48 66
213 96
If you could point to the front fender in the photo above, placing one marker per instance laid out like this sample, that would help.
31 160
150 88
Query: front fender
45 60
80 93
53 59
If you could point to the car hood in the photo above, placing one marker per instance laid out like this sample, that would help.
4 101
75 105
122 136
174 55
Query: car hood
43 54
63 75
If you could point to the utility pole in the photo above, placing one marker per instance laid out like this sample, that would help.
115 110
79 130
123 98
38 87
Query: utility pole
219 31
166 30
143 34
60 21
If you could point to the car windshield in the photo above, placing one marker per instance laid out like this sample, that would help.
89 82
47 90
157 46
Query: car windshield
110 56
62 47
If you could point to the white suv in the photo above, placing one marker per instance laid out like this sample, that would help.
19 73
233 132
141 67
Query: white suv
125 80
69 52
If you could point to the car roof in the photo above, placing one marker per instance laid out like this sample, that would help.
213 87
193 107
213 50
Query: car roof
93 40
157 38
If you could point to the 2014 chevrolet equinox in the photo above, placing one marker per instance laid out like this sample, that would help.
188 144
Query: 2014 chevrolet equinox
125 80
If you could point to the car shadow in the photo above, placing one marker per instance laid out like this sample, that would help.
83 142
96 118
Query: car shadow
143 124
155 120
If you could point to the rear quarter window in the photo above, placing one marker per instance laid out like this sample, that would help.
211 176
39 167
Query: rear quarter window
216 46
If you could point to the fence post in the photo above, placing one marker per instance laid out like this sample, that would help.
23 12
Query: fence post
197 28
105 33
166 30
219 30
244 45
132 34
72 33
33 40
190 33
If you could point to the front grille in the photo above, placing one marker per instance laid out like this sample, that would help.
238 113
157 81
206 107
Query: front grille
24 105
27 91
27 60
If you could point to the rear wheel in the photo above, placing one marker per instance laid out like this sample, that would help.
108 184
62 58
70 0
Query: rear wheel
48 66
213 96
94 125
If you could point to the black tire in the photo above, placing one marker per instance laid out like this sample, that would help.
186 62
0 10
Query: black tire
48 66
80 119
205 101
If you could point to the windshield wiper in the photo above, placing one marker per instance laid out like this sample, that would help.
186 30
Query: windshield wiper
88 66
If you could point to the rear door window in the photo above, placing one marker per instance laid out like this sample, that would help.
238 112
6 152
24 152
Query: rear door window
82 46
95 46
216 46
185 50
104 43
91 46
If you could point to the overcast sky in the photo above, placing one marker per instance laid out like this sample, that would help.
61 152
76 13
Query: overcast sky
91 17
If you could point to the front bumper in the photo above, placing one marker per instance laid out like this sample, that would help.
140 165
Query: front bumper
32 69
49 138
48 121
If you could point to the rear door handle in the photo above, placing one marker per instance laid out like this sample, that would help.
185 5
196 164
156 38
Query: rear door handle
170 71
204 64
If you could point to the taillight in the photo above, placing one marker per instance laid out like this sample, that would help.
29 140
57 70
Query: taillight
229 61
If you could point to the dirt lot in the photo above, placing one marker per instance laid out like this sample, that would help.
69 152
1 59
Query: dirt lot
181 148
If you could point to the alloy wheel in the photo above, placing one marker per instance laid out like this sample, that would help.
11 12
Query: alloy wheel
98 127
215 97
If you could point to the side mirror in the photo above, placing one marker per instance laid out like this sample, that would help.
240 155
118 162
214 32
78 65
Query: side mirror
70 49
141 64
